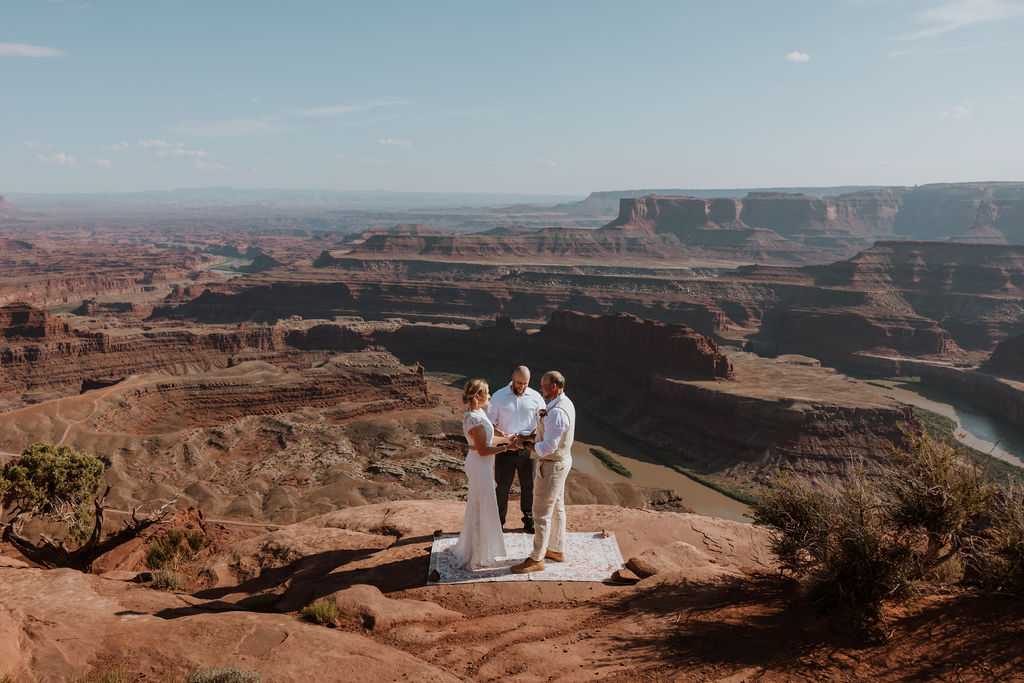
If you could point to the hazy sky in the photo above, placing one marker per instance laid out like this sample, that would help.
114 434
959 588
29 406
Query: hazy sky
481 95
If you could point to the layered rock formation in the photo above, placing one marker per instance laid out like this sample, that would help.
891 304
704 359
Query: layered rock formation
1008 358
45 353
663 385
48 269
969 212
626 342
916 298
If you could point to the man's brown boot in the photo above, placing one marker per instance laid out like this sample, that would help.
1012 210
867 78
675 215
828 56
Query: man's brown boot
526 566
554 557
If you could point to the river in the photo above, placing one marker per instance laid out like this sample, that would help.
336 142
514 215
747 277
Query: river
988 434
646 470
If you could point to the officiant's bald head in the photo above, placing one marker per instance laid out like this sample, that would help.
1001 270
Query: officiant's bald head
520 380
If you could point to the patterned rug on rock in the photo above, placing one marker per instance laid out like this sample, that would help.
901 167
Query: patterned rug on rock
589 556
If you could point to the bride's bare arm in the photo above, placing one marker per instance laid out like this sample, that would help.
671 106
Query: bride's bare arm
478 437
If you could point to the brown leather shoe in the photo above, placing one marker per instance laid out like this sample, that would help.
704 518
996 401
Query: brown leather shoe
526 566
554 557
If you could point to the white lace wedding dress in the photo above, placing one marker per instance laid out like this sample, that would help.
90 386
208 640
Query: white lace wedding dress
480 542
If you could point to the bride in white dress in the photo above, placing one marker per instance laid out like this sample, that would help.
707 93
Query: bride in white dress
480 541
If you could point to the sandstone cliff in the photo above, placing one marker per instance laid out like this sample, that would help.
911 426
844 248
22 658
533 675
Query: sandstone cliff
631 374
45 353
624 341
984 212
1008 358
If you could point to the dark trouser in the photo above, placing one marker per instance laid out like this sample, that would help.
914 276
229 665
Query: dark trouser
505 467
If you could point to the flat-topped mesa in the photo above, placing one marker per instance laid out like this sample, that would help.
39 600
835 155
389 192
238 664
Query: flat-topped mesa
858 214
931 268
785 213
655 213
940 210
20 321
626 340
1008 358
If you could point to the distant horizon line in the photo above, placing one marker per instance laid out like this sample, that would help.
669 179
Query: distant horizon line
382 191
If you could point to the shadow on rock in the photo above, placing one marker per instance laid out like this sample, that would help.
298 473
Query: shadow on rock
732 622
304 569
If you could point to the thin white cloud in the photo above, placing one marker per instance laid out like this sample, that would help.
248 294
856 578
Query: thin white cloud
959 112
231 128
179 152
966 48
38 145
363 160
144 144
26 50
797 57
57 159
344 109
333 110
394 142
282 122
158 144
100 163
546 162
956 14
213 166
899 53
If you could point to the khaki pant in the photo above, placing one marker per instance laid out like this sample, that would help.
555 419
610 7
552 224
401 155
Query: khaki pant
549 506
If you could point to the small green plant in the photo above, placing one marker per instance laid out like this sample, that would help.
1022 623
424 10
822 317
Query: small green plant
223 675
107 673
196 540
166 579
174 546
323 611
609 461
999 555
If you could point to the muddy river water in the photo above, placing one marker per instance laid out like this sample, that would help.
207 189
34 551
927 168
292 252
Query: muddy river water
988 434
646 470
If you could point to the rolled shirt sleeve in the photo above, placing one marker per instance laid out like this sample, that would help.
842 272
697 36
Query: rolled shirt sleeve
555 424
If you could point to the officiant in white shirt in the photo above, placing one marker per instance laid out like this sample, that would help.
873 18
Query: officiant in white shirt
514 410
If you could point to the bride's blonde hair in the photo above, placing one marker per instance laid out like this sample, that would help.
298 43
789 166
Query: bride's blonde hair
473 387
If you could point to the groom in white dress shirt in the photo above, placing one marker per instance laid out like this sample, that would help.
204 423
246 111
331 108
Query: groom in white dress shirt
555 435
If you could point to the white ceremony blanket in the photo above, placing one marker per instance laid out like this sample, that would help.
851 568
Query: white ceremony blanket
589 556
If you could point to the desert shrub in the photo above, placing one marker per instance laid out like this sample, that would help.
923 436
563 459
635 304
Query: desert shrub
109 673
196 540
174 546
166 579
858 542
609 461
224 675
323 611
57 483
836 537
937 491
998 558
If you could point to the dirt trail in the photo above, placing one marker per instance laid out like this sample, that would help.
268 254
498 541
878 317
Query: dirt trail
54 407
217 520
